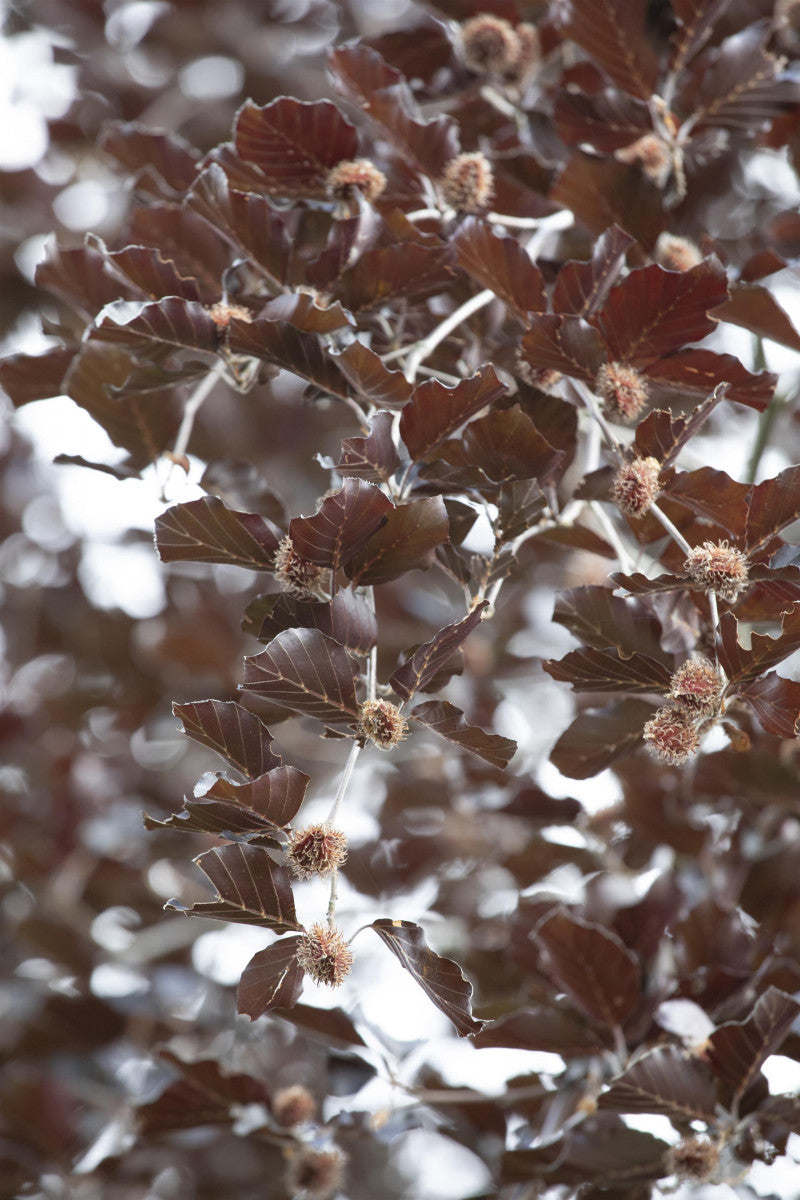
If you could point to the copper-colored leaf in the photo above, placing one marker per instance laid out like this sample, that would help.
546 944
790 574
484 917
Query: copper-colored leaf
742 666
592 1152
342 525
581 287
591 964
205 530
305 313
405 543
387 274
663 436
776 703
251 889
502 264
422 666
505 445
232 732
753 307
279 343
373 457
613 33
436 411
707 371
590 670
307 672
347 618
714 495
294 143
363 368
596 739
563 343
737 1050
440 978
272 979
261 807
774 504
448 721
606 120
666 1080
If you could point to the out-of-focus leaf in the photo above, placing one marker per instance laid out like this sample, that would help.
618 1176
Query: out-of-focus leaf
294 143
436 411
422 666
205 530
753 307
203 1095
232 732
596 616
251 889
603 192
556 342
544 1029
582 287
347 619
607 120
80 277
363 368
405 543
342 525
448 721
613 34
774 504
307 672
743 666
519 504
596 739
440 978
590 670
776 703
502 264
594 1151
330 1025
272 979
735 85
373 457
639 585
696 19
146 153
591 964
666 1080
27 377
737 1050
653 312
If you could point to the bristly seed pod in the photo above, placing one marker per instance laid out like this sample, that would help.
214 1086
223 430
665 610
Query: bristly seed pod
622 389
543 378
293 1106
697 687
490 45
297 575
529 54
676 253
316 850
467 183
672 736
718 567
323 954
223 313
694 1158
357 174
652 154
316 1174
635 486
382 723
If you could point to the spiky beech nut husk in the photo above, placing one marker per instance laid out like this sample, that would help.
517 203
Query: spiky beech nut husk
293 1106
529 54
357 174
652 154
676 253
315 1173
223 313
697 686
490 44
382 723
297 575
316 850
635 486
671 735
324 955
467 182
694 1158
622 389
718 567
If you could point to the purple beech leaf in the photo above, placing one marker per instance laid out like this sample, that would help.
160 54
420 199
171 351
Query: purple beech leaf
613 34
331 1025
664 436
713 495
348 239
502 264
279 343
373 457
776 703
80 277
368 376
582 287
639 585
294 143
153 275
172 321
448 721
272 979
520 504
303 311
591 964
774 504
205 530
251 889
666 1080
231 731
753 307
342 525
596 739
440 978
197 248
203 1095
435 411
735 85
406 542
307 672
743 666
692 370
606 120
386 274
541 1028
591 1152
276 796
696 21
737 1050
556 342
596 616
149 155
347 619
590 670
428 659
603 191
506 446
28 377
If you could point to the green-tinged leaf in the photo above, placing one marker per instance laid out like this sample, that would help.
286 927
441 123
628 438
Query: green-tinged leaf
272 979
205 530
591 964
440 978
590 670
422 666
435 411
448 721
666 1080
407 542
231 731
251 889
307 672
342 525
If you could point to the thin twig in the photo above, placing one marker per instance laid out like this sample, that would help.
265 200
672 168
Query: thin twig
190 411
671 529
445 327
355 750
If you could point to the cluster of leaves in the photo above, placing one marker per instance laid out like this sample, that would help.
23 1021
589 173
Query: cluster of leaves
300 314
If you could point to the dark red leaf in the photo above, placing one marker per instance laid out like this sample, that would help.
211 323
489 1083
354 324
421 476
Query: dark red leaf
563 343
519 505
737 1050
342 525
592 1152
544 1029
774 504
363 368
663 436
596 616
596 739
204 1095
263 806
151 274
714 495
440 978
205 530
736 85
348 619
405 543
640 585
603 192
505 446
776 703
753 307
705 370
607 120
232 732
390 273
294 143
279 343
613 34
502 264
307 672
590 670
436 411
419 670
147 154
304 312
448 721
582 287
591 964
172 321
272 979
696 19
80 277
653 312
743 666
27 377
373 457
251 889
666 1080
